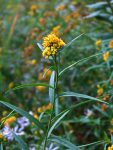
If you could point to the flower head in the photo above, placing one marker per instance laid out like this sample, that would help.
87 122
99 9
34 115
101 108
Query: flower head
110 148
1 136
51 44
111 44
23 122
9 120
98 43
100 90
105 56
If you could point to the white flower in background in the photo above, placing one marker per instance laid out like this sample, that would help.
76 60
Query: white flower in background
23 122
88 113
9 132
51 147
32 147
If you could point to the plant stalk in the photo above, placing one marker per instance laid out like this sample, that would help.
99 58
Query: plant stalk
55 94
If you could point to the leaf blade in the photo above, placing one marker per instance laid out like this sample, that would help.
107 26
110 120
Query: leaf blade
21 112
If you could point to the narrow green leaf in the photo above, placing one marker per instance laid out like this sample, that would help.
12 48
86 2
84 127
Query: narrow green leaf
94 143
68 44
28 85
69 109
56 106
20 111
50 68
68 94
40 46
63 142
56 122
1 146
77 62
105 147
97 5
51 91
94 14
112 139
21 143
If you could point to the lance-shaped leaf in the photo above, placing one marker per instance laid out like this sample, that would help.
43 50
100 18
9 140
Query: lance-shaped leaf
63 142
21 112
68 94
27 85
77 62
40 46
68 44
52 84
1 146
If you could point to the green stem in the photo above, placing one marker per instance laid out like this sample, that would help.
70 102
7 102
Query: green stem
55 93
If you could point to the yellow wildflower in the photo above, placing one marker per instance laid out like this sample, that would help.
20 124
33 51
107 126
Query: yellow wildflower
40 76
111 44
110 130
99 90
48 72
1 136
105 56
11 85
104 107
9 120
106 97
40 110
41 88
33 62
33 8
35 116
51 45
49 106
44 108
56 29
110 148
98 43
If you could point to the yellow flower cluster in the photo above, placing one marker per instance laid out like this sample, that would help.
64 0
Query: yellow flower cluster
105 56
41 88
9 120
51 44
111 44
11 85
33 9
44 108
99 90
110 148
1 136
98 43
